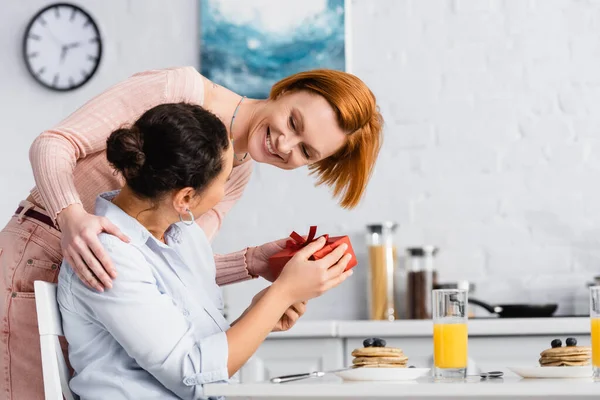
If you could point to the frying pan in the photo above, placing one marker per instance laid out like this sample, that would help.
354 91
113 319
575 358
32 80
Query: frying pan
518 310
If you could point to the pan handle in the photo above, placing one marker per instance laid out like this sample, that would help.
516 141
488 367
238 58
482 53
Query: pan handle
486 306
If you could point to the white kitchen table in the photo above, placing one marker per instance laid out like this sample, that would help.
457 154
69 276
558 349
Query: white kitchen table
331 387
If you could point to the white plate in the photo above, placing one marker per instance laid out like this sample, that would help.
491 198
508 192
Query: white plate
553 372
382 374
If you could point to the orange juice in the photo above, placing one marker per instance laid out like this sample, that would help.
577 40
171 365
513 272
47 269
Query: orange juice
450 345
596 342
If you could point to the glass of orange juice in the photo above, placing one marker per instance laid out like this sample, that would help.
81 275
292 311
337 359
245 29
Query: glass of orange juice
595 321
450 335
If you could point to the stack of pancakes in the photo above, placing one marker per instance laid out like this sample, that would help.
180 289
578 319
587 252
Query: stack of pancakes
379 357
570 356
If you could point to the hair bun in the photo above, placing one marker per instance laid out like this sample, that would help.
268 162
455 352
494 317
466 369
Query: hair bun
125 151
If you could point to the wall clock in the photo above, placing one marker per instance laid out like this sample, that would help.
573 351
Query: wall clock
62 47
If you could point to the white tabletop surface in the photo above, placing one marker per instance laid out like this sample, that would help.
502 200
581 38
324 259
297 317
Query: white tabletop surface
416 328
331 387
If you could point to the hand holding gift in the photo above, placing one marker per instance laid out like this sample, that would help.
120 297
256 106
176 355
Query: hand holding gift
257 258
296 242
303 279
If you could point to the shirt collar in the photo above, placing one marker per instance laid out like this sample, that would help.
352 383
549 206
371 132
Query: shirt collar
131 227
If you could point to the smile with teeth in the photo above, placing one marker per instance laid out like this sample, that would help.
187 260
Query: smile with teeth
269 144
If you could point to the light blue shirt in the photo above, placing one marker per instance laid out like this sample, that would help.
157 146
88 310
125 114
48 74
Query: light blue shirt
159 333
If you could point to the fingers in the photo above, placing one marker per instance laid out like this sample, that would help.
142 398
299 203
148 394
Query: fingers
291 314
84 273
339 267
300 308
73 265
111 228
82 247
101 255
337 280
334 256
268 249
311 248
281 243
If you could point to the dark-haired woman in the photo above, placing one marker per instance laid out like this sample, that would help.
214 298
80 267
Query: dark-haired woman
158 333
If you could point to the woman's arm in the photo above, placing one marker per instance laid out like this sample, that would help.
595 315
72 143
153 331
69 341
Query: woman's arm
54 155
232 268
248 263
55 152
301 280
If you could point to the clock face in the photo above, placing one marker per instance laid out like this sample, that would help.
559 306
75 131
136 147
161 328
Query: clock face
62 47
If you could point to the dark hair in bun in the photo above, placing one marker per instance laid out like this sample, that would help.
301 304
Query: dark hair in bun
171 146
125 151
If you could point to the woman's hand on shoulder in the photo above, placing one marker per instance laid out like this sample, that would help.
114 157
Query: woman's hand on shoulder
82 249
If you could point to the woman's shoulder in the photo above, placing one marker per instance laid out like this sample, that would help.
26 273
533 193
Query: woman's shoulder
115 246
185 84
129 259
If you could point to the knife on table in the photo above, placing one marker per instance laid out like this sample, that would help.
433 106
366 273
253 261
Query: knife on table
295 377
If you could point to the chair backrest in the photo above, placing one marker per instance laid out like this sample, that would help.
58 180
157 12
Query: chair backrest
55 370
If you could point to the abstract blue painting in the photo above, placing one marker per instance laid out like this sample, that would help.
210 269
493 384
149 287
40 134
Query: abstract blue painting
248 45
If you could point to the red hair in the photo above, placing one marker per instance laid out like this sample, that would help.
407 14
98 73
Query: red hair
347 171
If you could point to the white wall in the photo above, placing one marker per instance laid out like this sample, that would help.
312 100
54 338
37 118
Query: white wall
138 35
491 150
491 147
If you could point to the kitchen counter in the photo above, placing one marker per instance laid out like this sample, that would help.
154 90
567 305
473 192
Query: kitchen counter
331 387
309 329
494 344
424 328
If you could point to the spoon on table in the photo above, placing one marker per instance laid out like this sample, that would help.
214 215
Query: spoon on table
491 374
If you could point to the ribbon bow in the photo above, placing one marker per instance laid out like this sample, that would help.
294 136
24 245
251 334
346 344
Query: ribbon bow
298 241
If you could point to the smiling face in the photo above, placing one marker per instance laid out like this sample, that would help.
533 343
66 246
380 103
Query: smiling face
296 129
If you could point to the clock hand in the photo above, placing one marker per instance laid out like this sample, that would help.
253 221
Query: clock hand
63 53
73 45
65 49
54 39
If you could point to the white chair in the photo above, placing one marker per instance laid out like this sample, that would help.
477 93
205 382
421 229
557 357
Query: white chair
55 370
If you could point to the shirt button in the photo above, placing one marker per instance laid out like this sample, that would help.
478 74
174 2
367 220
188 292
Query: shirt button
189 381
54 266
30 261
186 312
14 294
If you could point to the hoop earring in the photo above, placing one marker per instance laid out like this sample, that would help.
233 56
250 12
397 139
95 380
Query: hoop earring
191 221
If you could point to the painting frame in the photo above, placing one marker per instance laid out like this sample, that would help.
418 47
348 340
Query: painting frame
213 57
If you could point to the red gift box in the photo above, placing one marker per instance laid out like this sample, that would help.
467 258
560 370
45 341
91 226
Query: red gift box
297 242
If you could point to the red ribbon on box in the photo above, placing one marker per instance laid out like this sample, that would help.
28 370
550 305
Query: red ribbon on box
299 242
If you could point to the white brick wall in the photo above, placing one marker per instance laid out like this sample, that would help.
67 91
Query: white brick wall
491 152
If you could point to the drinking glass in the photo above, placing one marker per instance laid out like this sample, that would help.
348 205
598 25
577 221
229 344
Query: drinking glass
450 337
595 322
